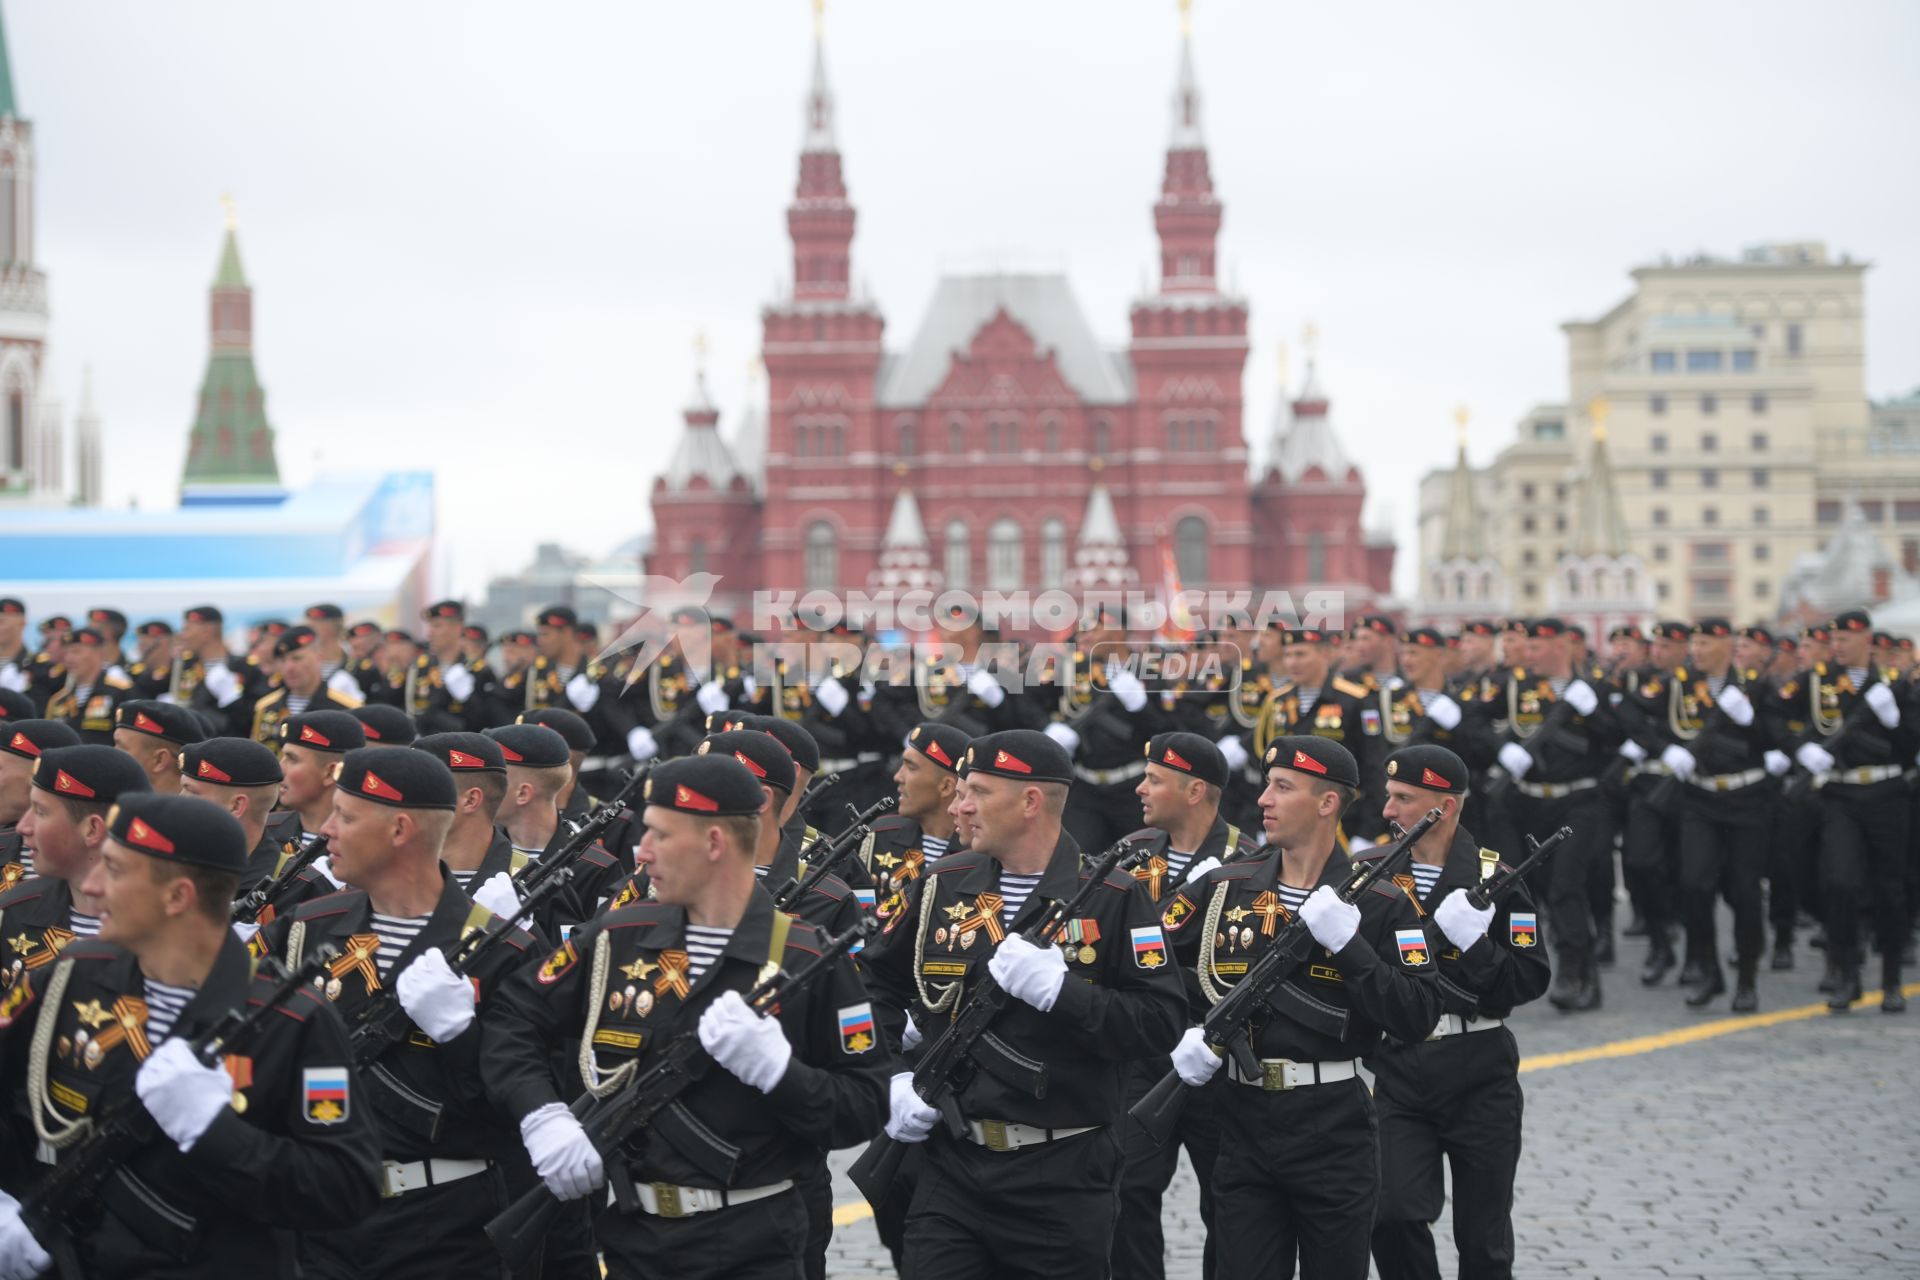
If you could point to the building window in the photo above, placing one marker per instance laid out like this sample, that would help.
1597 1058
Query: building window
1826 511
1709 443
909 444
956 435
16 429
1527 524
1710 591
1762 551
1657 477
1874 510
1559 524
1906 511
1190 550
1659 442
1050 435
1526 493
1656 405
1316 557
1704 361
959 555
1573 584
1530 589
1709 515
1759 443
1528 557
1053 553
1710 553
1659 515
1559 493
1663 362
1662 590
1743 360
1659 553
1760 477
823 556
1709 404
1910 554
1709 478
1757 402
1102 438
1006 555
697 556
1796 341
1762 589
1174 433
1760 515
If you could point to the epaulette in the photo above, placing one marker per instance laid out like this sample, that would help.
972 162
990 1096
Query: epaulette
805 937
1386 889
332 904
291 1006
91 949
137 669
822 889
640 915
277 695
1238 869
963 860
1144 835
346 700
603 858
892 822
1343 685
116 682
28 890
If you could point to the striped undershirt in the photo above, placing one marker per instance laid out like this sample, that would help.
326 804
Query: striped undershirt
1307 698
81 692
1559 684
932 847
1177 862
297 703
704 946
1427 697
84 926
761 870
1715 684
1426 877
396 933
1014 892
164 1003
25 858
1858 675
463 878
1291 897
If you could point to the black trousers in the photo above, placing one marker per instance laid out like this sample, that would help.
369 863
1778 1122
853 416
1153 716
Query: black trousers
1139 1243
1570 867
1045 1212
1650 857
1793 847
1297 1176
1863 850
816 1190
765 1238
1098 816
433 1232
1723 849
1457 1098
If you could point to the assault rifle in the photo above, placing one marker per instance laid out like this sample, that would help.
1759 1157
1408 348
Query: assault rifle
830 852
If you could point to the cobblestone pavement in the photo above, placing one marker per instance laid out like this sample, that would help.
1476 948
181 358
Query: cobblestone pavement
1789 1148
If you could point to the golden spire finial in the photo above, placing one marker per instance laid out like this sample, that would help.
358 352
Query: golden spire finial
1310 338
1186 19
1282 354
1597 410
1460 424
819 18
226 205
700 350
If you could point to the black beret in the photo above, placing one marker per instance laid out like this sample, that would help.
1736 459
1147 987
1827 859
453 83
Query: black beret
1188 753
28 738
715 785
1423 638
800 744
558 615
1479 627
89 772
444 609
1625 631
531 746
1883 638
517 637
108 617
205 613
1853 620
386 724
1026 754
1575 629
180 829
156 628
86 638
463 752
17 706
295 638
230 762
762 754
1669 629
727 721
943 744
404 637
162 720
1712 627
1816 631
1376 622
324 613
324 731
403 779
1430 768
473 631
10 604
568 724
58 622
1546 628
1305 635
1316 757
364 627
273 627
1788 644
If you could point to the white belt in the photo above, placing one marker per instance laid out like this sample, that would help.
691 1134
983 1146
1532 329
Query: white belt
841 765
399 1177
1101 777
1864 775
1278 1075
1004 1135
1452 1024
1729 781
1554 790
1652 769
664 1200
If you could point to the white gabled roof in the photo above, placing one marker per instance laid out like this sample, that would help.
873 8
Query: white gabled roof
1310 440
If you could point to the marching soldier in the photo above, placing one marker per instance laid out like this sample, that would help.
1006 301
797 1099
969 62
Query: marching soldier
15 658
477 853
216 683
806 1079
1314 699
21 744
565 675
539 769
440 1140
153 733
1298 1167
1374 661
311 749
1456 1092
855 743
920 831
1104 716
303 687
1756 652
1030 1189
1651 844
947 682
450 692
1475 660
343 673
573 801
47 671
247 1150
152 669
93 689
243 777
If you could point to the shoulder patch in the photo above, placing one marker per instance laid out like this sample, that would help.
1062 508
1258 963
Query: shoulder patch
1353 690
964 860
1412 945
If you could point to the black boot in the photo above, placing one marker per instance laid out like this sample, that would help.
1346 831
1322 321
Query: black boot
1660 960
1745 998
1564 994
1636 927
1713 984
1892 998
1692 973
1831 978
1589 993
1782 951
1846 988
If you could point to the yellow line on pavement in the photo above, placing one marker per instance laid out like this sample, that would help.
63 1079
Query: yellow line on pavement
859 1210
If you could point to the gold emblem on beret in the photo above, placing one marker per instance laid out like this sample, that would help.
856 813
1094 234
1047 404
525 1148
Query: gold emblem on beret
969 757
647 793
1393 767
703 748
333 771
915 735
113 814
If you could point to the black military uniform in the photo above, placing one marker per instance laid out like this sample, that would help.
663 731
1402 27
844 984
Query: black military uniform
272 709
1104 729
152 679
1221 704
1298 1167
292 1152
46 673
90 710
241 764
930 688
1030 1189
1456 1093
26 739
1343 710
856 746
1648 699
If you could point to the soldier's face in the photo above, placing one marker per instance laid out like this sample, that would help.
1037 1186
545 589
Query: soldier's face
1423 663
1165 795
16 780
1476 650
59 843
1306 664
1711 652
132 910
443 633
1290 810
85 662
12 625
553 642
1268 647
918 780
361 836
300 671
995 808
1850 647
151 752
1406 805
678 852
962 824
304 776
516 657
1366 644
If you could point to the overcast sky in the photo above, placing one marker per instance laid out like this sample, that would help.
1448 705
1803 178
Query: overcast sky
483 236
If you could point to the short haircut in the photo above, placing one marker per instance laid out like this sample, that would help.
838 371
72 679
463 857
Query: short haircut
1053 798
492 784
80 810
214 889
547 783
1341 789
741 831
433 824
1213 794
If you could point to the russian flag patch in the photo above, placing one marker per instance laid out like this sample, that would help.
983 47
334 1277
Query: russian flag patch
1413 947
1149 946
1522 930
856 1028
324 1094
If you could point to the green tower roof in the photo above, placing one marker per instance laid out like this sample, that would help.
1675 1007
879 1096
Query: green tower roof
7 107
231 442
230 275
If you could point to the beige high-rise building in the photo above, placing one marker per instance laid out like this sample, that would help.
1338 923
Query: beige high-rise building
1737 424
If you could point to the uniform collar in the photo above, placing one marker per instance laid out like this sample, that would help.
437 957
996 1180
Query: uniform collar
1058 882
224 991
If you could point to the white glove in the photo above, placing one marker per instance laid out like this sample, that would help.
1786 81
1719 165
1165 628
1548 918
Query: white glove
21 1257
1814 758
13 678
1444 712
747 685
1359 844
1193 1060
1200 869
910 1037
983 686
1234 752
583 692
324 865
458 680
1633 751
909 1119
181 1095
1396 683
561 1153
753 1048
221 683
1068 739
832 697
1885 709
343 683
439 1001
1777 763
1331 921
244 930
118 672
1126 686
1515 760
1581 697
641 744
711 696
1734 701
1029 973
498 895
1462 922
1680 760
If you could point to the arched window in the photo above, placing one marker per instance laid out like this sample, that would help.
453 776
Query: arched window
1053 553
959 554
1006 556
1102 437
1173 435
1190 550
697 556
908 438
956 435
1316 557
800 430
823 556
1050 435
1573 585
